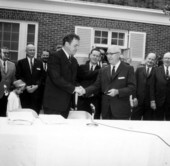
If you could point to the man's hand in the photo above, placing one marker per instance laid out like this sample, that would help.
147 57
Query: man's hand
31 88
153 105
135 102
80 90
113 92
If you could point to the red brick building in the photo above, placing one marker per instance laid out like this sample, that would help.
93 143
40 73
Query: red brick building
45 22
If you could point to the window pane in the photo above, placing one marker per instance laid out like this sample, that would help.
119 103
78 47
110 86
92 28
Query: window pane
6 44
97 40
7 27
98 33
15 37
104 41
121 35
14 56
114 35
14 46
30 39
104 34
121 43
6 36
15 28
114 42
31 28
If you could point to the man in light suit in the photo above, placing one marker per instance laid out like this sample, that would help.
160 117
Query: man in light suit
142 96
87 74
61 78
117 83
160 90
8 76
30 70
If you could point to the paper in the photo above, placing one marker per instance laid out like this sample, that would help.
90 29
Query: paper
20 117
52 119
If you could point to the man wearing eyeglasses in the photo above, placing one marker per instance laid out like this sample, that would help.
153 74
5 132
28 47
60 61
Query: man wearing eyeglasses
117 83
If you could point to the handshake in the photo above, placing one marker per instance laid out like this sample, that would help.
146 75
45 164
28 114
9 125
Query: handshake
80 90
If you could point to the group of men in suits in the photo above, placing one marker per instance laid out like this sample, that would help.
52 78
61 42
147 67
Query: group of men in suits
108 87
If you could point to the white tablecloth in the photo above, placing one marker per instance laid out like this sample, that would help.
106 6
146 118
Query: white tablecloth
73 143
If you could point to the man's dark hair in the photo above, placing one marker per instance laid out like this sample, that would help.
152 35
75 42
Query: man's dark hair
68 38
94 49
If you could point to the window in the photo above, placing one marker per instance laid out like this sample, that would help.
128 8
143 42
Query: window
105 38
16 35
9 37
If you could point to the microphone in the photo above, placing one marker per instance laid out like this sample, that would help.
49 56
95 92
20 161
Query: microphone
92 119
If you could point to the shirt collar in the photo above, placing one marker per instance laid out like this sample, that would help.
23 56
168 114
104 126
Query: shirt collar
66 52
90 65
116 66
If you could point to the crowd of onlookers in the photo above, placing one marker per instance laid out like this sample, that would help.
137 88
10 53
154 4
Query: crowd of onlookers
48 84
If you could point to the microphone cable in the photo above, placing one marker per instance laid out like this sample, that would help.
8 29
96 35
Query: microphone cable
135 131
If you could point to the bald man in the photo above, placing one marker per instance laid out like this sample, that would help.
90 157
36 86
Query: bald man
160 91
142 97
30 70
117 83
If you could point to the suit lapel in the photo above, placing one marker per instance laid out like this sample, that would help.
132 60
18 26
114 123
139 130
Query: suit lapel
117 71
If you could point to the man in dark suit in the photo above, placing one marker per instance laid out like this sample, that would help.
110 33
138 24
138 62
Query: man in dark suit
142 109
7 70
116 82
160 90
30 70
87 74
61 78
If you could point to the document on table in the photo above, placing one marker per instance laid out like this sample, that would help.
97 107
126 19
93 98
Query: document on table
52 119
24 118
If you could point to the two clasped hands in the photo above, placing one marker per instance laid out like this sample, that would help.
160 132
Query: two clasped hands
81 91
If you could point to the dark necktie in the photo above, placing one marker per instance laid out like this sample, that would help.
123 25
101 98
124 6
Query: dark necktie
31 64
147 72
167 73
113 71
91 68
69 58
4 66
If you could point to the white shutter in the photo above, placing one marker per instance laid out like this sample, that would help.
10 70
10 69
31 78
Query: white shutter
137 42
85 34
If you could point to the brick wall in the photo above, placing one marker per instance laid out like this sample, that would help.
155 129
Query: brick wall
52 28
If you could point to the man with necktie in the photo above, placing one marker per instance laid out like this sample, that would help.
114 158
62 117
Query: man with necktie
116 82
142 109
61 78
87 74
30 70
7 69
160 90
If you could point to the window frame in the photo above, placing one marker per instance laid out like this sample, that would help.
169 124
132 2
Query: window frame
109 37
23 31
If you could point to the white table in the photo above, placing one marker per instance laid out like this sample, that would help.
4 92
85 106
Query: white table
73 143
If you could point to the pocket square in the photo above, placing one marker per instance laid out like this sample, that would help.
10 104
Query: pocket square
121 78
38 69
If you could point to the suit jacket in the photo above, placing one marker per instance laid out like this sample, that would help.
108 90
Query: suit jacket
160 87
9 77
87 77
60 81
23 72
143 84
124 81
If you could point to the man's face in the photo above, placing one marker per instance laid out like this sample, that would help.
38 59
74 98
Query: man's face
94 57
113 57
150 60
30 50
166 59
72 47
45 56
5 54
